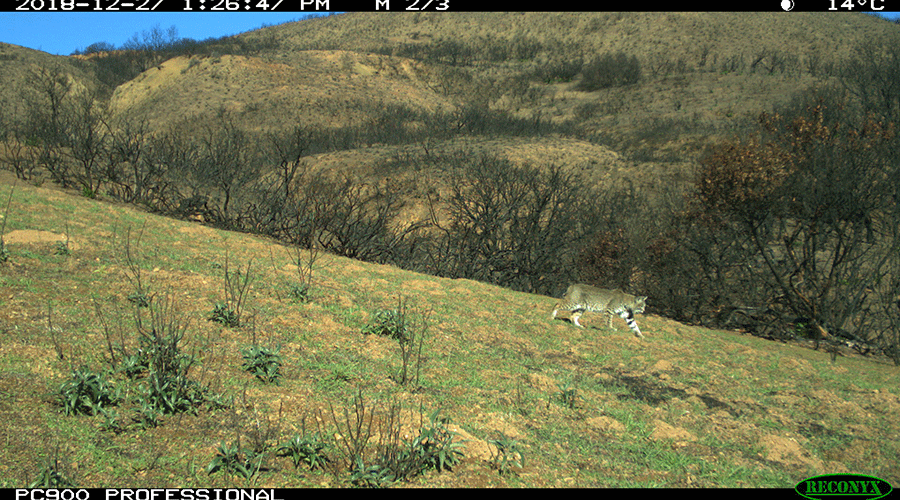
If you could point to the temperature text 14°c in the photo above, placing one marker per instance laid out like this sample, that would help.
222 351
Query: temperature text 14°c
874 5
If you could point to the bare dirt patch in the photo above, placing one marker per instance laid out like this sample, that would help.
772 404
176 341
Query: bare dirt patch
663 430
37 239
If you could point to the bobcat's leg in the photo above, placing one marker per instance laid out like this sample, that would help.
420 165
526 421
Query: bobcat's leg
575 316
629 319
555 310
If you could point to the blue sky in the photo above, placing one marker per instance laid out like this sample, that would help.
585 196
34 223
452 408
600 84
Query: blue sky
62 33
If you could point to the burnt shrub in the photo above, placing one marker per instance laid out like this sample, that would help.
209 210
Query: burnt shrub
517 226
610 70
811 199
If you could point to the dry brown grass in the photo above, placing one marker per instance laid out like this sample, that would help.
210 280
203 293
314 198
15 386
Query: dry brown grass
330 72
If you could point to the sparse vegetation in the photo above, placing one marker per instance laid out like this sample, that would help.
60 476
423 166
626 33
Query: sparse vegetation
237 283
301 289
377 451
56 473
469 346
506 457
86 392
309 449
167 387
234 460
567 395
262 362
131 260
389 323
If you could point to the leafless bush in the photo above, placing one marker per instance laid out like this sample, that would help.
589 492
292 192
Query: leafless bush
610 70
812 199
515 226
873 77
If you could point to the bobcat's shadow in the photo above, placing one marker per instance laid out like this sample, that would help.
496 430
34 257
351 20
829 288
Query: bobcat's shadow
569 321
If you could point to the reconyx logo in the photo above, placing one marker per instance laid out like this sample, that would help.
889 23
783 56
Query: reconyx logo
843 485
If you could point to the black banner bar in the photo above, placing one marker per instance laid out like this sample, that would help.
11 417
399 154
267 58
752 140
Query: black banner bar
149 494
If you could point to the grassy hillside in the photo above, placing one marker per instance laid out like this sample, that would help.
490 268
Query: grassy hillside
318 88
703 74
673 34
685 407
17 65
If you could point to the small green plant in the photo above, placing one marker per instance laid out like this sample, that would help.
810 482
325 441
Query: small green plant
219 401
170 394
160 340
111 420
55 474
62 248
139 299
370 476
54 333
567 395
521 400
134 365
308 449
114 329
148 416
389 323
51 478
394 457
356 430
415 325
86 393
233 460
436 445
508 454
223 314
300 290
408 327
262 362
167 387
237 284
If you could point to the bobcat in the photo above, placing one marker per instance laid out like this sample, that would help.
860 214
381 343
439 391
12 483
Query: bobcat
580 298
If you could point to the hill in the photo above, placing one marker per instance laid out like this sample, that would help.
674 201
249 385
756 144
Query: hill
702 72
539 403
17 67
703 75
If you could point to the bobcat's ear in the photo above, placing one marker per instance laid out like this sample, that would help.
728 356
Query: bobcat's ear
642 299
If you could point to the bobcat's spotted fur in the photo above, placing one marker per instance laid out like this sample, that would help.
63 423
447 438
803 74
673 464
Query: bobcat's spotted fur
580 298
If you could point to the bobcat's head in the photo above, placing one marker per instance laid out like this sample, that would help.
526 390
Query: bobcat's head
639 304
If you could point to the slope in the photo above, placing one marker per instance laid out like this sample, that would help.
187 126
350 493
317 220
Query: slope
538 402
